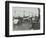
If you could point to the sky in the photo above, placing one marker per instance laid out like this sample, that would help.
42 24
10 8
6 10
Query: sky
27 11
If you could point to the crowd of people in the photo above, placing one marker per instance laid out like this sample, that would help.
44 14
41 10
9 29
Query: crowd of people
35 21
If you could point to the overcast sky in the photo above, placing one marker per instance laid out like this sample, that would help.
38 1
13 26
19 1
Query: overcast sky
20 11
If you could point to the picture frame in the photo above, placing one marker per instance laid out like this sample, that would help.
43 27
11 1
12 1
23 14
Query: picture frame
18 4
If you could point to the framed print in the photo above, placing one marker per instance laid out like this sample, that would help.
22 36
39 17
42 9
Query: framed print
24 18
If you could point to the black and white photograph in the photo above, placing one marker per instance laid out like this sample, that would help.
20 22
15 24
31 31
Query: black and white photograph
24 18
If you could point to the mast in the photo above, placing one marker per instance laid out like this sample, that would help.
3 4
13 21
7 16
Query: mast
24 14
29 14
